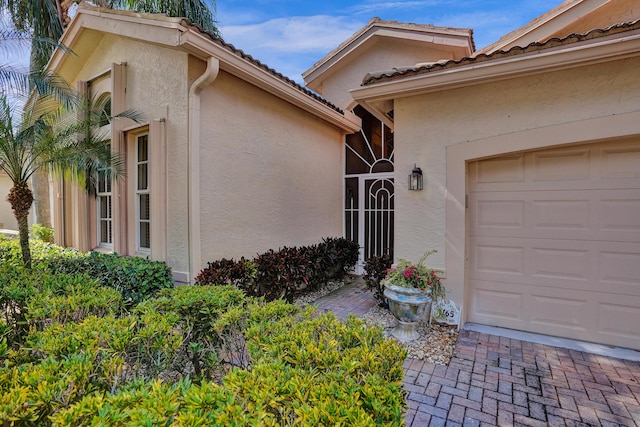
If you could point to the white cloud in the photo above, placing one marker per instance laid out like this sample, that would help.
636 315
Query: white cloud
292 45
376 6
296 34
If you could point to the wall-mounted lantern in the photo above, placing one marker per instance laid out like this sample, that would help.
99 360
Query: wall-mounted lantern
415 179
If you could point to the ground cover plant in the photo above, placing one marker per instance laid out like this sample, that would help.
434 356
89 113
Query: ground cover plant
73 352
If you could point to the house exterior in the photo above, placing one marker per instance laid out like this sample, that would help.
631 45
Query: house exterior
529 148
222 163
232 159
531 157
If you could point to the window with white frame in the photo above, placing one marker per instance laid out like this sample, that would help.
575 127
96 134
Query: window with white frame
142 196
104 211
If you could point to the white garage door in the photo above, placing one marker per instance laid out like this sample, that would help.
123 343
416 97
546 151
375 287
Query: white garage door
554 242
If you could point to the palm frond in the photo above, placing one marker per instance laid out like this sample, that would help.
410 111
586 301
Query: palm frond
200 12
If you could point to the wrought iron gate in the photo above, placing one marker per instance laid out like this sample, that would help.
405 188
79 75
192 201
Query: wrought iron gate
369 188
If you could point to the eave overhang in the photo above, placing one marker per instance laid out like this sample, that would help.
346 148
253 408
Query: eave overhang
376 96
178 33
460 39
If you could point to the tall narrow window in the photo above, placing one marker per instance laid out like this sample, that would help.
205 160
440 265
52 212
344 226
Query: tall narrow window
104 211
143 207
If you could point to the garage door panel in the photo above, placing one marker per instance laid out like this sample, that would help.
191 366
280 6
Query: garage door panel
560 165
532 261
497 302
561 264
554 242
621 161
611 215
498 259
608 165
494 214
619 214
561 214
505 169
588 316
597 266
618 322
564 312
619 268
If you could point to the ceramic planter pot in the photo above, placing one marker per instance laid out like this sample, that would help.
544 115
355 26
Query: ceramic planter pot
408 305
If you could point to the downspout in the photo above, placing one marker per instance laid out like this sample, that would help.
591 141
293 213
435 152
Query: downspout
193 167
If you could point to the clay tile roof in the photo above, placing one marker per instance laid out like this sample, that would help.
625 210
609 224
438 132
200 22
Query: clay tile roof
402 72
231 48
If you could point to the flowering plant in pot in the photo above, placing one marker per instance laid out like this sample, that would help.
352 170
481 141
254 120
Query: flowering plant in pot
416 276
410 289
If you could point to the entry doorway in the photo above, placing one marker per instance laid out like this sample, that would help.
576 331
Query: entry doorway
369 188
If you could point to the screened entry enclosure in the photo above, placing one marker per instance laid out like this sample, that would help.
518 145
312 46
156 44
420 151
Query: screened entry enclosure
369 188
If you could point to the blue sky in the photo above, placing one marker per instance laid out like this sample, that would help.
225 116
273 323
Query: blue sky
291 35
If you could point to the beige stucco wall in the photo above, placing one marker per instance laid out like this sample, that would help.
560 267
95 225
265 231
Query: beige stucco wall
383 54
271 174
442 130
155 81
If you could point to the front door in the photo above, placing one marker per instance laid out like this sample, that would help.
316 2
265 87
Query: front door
369 188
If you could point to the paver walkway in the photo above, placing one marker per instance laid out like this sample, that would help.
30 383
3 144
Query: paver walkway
500 381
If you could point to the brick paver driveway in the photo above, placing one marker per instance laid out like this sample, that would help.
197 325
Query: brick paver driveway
500 381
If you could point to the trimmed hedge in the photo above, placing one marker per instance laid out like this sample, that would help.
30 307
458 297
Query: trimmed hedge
134 277
285 272
191 356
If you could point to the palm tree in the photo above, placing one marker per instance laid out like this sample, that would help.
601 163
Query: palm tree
48 136
47 19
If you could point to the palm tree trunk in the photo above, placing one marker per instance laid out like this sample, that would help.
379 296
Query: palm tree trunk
40 181
23 232
21 199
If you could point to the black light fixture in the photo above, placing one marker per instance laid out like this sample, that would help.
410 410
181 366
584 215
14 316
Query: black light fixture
415 179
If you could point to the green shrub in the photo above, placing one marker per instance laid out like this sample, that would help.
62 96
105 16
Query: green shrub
40 232
17 287
120 349
167 363
307 371
30 393
36 298
159 404
135 278
375 269
198 310
85 298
